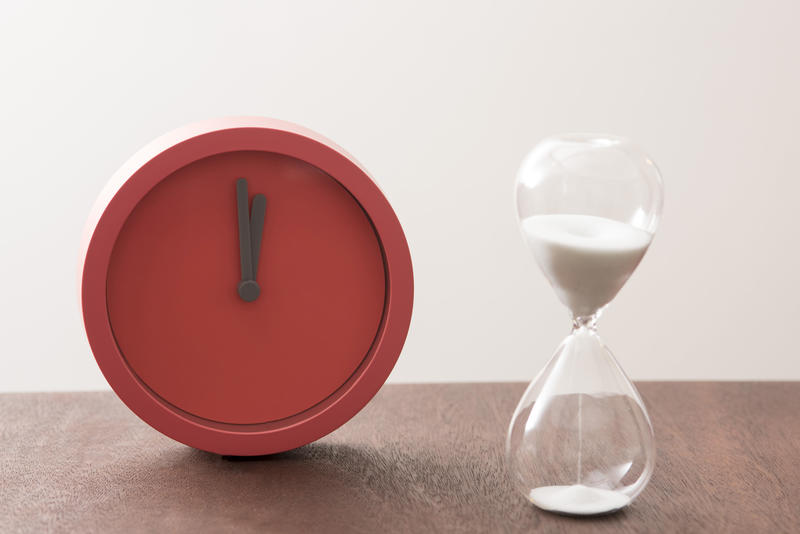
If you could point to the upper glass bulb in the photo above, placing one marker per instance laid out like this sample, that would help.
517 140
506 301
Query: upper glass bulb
588 207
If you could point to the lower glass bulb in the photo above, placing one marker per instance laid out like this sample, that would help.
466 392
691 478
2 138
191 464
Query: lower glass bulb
580 441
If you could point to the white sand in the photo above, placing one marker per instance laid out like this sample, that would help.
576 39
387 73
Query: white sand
587 259
578 499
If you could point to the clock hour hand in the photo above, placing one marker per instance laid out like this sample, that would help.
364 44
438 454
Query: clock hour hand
247 288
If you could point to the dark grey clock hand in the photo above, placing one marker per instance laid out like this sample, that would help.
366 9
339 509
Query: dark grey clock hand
248 287
257 213
245 248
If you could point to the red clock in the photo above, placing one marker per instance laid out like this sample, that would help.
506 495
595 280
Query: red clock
246 287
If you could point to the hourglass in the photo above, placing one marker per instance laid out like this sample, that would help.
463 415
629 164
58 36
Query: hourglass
580 441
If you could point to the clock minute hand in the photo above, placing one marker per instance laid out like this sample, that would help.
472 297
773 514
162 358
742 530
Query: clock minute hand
247 288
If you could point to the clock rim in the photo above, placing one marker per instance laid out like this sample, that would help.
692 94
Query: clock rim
156 162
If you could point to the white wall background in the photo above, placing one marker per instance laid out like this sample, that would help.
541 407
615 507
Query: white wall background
440 101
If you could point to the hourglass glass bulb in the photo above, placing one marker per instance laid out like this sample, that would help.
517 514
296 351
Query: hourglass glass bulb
580 441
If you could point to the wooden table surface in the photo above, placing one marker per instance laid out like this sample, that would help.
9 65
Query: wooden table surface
419 458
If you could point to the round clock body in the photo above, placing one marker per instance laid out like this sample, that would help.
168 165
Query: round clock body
246 287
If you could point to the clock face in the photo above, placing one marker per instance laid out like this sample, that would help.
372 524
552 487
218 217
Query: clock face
246 287
183 327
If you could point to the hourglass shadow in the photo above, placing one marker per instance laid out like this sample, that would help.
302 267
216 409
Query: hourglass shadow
619 513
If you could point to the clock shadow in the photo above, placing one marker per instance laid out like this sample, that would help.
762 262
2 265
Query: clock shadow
331 487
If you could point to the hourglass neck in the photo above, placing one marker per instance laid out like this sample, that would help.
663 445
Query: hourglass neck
585 321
